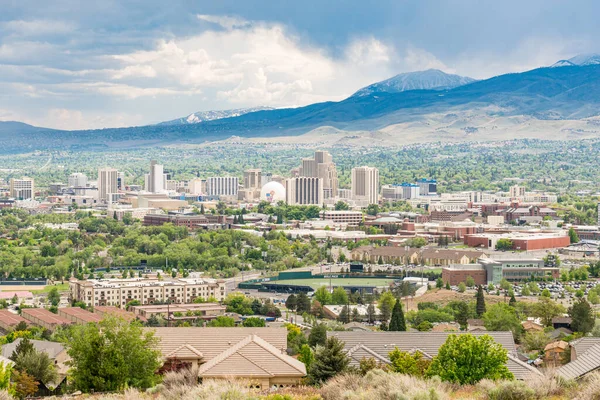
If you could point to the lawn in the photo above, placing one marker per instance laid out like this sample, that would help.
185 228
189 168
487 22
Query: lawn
62 287
317 283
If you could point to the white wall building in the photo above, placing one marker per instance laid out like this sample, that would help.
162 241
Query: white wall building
22 189
156 180
107 183
78 180
304 191
365 184
222 186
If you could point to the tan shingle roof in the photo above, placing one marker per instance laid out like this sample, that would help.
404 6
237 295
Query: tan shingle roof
252 357
185 351
213 341
582 345
521 370
556 345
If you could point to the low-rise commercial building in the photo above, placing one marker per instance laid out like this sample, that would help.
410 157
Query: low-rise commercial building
203 310
8 320
119 292
44 318
78 315
520 240
351 218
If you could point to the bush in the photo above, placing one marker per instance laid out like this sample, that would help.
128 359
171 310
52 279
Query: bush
511 390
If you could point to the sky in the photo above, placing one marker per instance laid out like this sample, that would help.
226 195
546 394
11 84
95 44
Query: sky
70 64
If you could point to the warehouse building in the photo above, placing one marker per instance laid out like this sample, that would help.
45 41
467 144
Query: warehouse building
79 315
8 320
44 318
520 240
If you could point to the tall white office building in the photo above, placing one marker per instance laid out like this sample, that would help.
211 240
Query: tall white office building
22 189
304 191
252 179
365 184
107 183
78 180
222 186
156 180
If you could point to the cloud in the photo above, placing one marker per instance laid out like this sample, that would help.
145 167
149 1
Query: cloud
226 22
37 27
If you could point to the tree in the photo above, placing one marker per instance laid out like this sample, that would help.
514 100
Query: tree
371 313
461 313
323 296
439 283
480 307
408 364
512 302
573 237
462 287
341 206
504 244
25 384
153 321
344 316
386 304
397 323
254 322
37 364
455 361
318 335
23 347
502 317
448 285
256 306
291 302
303 303
546 293
582 316
330 360
339 296
222 321
306 356
593 297
112 355
54 296
526 291
470 281
535 341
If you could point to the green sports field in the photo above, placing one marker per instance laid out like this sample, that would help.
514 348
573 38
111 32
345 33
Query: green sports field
317 283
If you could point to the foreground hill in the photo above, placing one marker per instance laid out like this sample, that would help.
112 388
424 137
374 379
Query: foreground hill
551 103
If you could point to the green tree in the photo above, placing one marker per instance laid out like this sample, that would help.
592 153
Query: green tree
344 316
582 316
512 302
341 206
526 291
37 364
535 341
54 296
504 244
113 355
371 313
323 296
448 285
480 307
306 356
462 287
439 283
397 323
339 296
291 302
386 304
470 281
573 237
330 360
461 313
23 347
456 363
546 293
593 297
408 364
222 321
303 303
253 322
5 375
502 317
318 335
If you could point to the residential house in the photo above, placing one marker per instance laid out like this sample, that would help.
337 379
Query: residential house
258 355
530 326
378 345
561 322
555 353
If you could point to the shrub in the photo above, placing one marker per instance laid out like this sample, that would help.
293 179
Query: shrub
511 390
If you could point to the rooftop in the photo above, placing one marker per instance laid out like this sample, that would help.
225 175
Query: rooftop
45 316
80 313
8 318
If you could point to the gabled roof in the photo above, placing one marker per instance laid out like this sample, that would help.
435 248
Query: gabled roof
585 363
252 357
521 370
51 348
557 345
582 345
185 351
211 342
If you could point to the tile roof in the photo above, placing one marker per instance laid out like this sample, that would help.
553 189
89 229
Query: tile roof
379 344
582 345
185 351
213 341
79 314
557 345
252 357
11 319
584 364
45 316
51 348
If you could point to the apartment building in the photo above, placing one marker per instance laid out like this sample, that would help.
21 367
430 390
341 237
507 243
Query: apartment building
351 218
119 292
365 184
107 183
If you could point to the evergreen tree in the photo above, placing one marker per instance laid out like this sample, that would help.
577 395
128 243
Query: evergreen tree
371 313
291 302
512 302
330 360
582 316
202 209
279 218
23 347
448 285
318 335
235 219
256 306
397 323
303 303
480 308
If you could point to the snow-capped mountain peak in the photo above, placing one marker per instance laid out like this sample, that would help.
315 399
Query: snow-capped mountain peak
202 116
580 60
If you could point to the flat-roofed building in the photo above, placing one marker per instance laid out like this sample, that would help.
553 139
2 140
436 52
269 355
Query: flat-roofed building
201 310
22 189
365 184
304 191
119 292
78 315
351 218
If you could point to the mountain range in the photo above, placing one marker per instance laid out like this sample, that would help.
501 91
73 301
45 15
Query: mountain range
546 103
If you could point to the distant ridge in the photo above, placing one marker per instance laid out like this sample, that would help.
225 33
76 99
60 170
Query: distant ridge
420 80
203 116
579 61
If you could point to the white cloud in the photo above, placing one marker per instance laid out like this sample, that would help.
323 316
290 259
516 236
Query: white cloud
226 22
37 27
69 119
